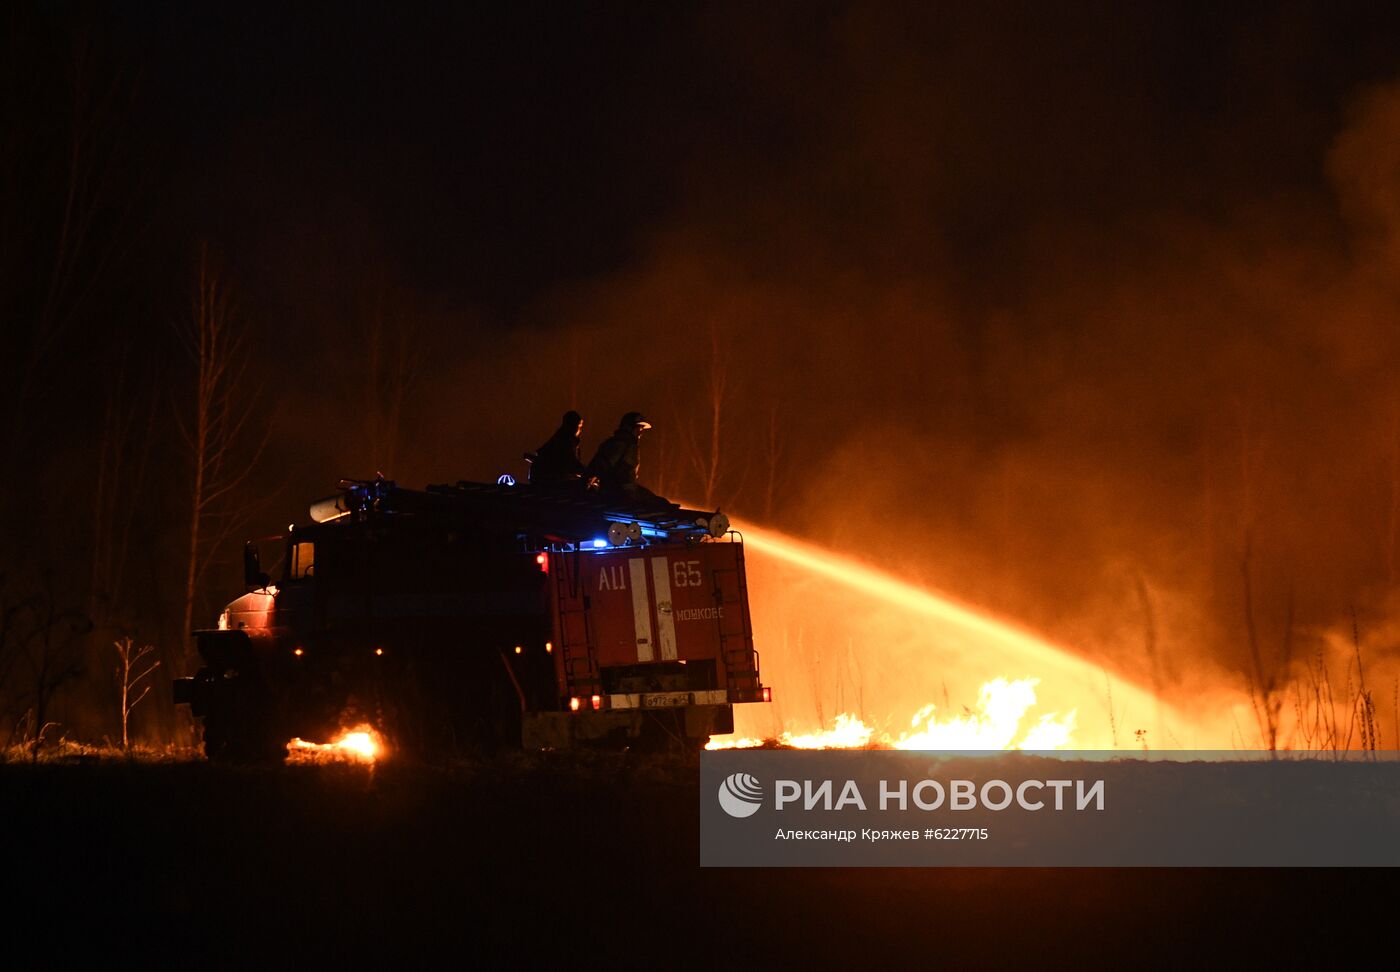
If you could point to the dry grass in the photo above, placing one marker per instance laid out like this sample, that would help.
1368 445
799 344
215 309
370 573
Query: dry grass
66 751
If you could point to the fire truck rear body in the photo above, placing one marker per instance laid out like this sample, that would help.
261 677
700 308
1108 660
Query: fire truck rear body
645 630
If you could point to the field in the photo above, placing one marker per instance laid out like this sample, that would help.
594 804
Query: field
571 861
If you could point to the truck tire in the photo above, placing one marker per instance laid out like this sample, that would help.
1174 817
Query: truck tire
229 743
237 728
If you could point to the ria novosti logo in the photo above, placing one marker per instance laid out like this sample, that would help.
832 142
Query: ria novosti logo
740 795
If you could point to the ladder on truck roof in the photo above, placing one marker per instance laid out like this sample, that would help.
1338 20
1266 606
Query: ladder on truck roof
553 515
579 516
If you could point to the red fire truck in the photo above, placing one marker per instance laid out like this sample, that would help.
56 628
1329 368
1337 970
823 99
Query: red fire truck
478 615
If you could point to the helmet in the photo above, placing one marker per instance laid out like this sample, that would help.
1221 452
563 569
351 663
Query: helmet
633 420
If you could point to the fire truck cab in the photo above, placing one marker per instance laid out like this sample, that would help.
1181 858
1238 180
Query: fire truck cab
479 615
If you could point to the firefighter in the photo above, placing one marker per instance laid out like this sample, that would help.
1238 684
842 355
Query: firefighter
557 462
618 461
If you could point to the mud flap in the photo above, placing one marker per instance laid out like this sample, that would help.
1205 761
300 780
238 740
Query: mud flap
709 720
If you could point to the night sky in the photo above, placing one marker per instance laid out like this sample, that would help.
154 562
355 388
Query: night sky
1043 305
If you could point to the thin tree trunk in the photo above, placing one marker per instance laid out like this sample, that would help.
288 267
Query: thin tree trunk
223 409
126 686
201 448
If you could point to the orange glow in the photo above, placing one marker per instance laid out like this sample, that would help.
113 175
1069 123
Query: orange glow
1030 693
362 744
358 745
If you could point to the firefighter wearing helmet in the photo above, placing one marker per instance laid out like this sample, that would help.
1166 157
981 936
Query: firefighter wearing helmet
557 462
618 461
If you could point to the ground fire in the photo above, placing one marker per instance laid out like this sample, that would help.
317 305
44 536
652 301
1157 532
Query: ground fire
996 723
1026 693
358 745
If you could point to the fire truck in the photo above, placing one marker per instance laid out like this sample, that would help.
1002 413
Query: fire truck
477 615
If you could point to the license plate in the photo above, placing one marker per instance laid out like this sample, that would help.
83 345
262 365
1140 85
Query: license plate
661 699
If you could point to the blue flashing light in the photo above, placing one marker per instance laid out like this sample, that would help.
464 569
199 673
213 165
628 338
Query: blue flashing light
598 544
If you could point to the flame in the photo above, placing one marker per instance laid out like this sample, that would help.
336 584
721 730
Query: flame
740 742
358 745
964 645
849 732
995 724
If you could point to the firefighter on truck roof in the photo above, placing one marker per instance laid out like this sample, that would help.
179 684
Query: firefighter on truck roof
618 461
557 462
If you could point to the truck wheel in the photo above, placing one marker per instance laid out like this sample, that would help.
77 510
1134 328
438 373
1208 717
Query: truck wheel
237 728
244 744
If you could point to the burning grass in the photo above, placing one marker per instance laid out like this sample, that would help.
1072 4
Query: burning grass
995 723
360 744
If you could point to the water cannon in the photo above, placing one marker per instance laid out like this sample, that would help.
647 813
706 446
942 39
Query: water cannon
717 525
620 533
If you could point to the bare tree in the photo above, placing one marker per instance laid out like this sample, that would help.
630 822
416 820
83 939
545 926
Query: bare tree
1364 706
1149 644
219 431
390 343
704 451
134 667
76 255
39 652
773 456
1266 676
1393 524
661 468
573 366
124 446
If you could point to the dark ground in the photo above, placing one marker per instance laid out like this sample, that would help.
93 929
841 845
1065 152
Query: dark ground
573 862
